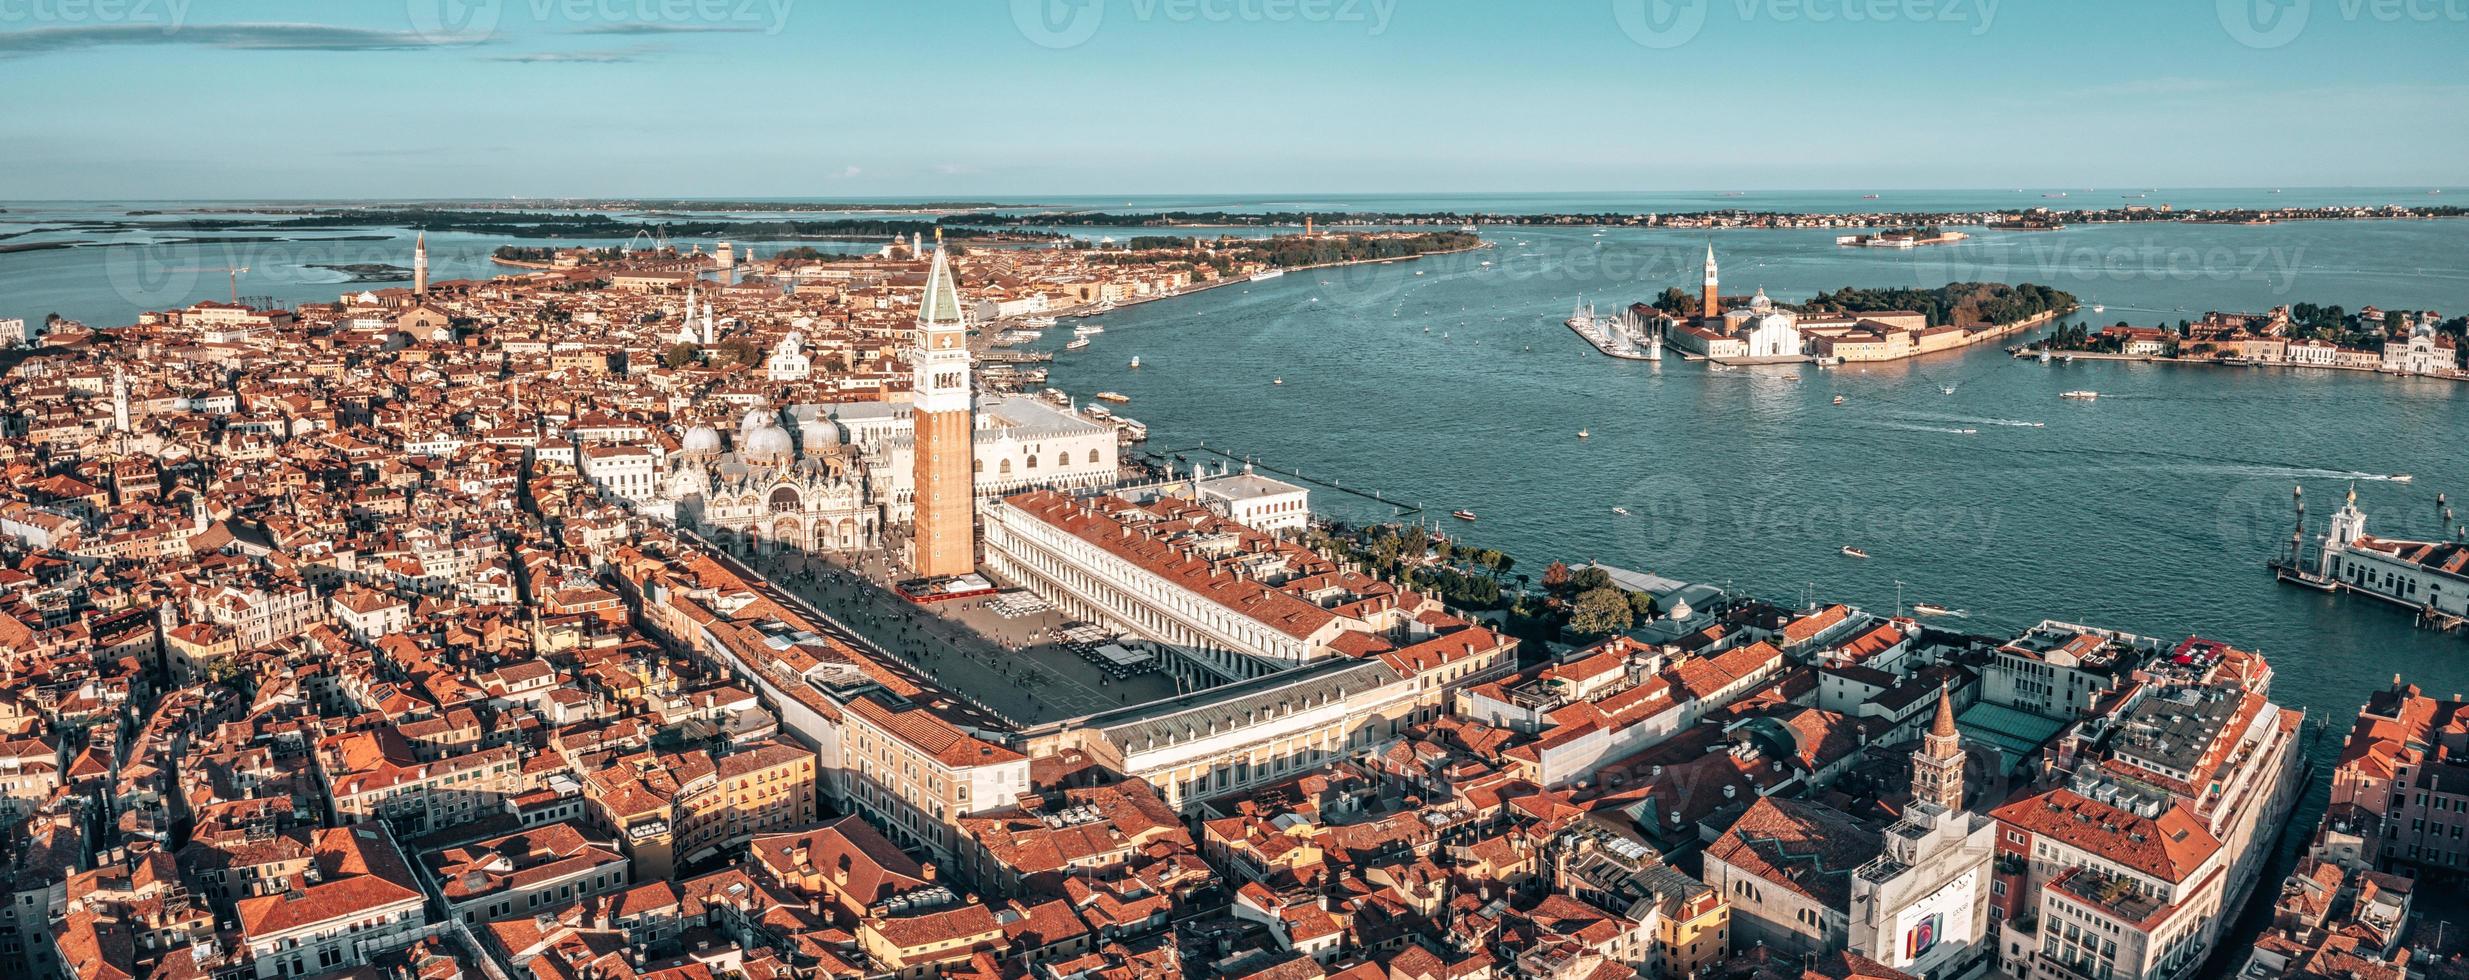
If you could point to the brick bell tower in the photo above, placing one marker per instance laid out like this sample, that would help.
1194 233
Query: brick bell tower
944 540
1709 308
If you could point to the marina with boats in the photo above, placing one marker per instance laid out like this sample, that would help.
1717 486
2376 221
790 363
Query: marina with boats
1628 336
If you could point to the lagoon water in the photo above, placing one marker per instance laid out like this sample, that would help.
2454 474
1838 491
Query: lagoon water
1453 384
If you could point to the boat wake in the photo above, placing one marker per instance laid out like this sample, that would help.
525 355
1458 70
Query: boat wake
1961 420
1945 429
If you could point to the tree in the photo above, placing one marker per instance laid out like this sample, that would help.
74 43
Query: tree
1601 611
1556 576
678 355
1642 605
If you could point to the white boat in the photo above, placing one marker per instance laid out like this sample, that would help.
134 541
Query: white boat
1080 344
1277 381
1581 433
1266 276
1088 329
2083 394
2097 308
1622 511
1947 389
1933 609
1036 322
2403 478
1853 552
1463 515
1112 396
1135 360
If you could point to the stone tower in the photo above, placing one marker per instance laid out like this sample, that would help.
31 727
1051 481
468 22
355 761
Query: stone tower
420 265
944 539
1937 769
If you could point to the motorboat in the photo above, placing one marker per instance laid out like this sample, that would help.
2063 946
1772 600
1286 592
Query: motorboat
1463 515
1852 552
2080 394
1622 511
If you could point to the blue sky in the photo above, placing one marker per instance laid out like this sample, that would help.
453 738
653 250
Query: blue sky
167 99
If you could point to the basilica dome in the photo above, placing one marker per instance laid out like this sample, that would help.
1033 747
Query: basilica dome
702 439
770 442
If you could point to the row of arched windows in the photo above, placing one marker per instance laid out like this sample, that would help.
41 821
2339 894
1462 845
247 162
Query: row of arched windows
1005 467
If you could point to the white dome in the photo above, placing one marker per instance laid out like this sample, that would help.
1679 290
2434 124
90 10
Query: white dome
821 434
770 442
702 439
757 418
1760 302
1681 610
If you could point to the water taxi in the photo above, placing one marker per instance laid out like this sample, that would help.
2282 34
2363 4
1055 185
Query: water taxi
2403 478
1135 360
1088 330
1463 515
1853 552
1080 344
1112 396
1622 511
2081 394
1933 609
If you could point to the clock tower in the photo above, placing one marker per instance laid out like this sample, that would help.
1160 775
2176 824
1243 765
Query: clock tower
943 542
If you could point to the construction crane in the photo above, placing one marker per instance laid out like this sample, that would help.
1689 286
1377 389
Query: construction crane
230 272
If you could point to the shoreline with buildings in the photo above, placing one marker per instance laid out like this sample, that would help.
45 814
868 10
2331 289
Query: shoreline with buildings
2414 344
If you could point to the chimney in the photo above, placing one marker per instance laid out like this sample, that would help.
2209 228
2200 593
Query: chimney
925 870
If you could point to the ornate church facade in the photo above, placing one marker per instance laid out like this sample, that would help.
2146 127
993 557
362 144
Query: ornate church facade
776 490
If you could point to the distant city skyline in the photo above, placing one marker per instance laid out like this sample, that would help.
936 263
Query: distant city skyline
187 99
